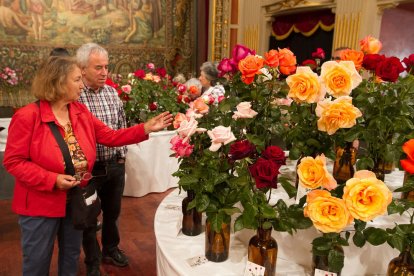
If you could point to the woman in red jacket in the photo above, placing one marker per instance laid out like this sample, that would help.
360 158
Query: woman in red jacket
34 158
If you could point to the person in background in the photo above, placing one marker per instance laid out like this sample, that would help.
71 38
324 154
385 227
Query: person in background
336 55
35 160
208 78
103 101
59 52
193 88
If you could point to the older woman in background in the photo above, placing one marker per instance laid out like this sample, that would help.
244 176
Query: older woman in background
208 78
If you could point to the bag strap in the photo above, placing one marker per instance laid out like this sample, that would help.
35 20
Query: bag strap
69 168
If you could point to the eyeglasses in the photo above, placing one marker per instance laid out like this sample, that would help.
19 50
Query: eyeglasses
86 176
336 58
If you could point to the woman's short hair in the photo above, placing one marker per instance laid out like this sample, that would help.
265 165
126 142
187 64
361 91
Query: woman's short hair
210 71
50 79
84 52
62 52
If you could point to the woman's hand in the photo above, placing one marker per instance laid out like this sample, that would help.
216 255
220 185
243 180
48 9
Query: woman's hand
65 182
158 122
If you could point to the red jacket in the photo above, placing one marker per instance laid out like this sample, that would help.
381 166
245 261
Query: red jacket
34 158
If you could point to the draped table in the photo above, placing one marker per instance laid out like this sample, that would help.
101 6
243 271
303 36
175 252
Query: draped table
294 254
148 165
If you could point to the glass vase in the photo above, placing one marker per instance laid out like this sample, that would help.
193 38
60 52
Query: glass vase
344 163
191 225
217 244
321 261
403 265
263 250
379 169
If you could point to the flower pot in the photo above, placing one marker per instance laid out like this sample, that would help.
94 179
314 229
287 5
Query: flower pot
217 244
344 163
191 225
320 261
402 265
262 250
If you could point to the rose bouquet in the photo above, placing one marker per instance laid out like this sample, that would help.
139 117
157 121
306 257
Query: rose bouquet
385 101
147 93
11 81
332 208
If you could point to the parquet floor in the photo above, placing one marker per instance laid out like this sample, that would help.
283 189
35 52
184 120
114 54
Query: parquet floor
136 226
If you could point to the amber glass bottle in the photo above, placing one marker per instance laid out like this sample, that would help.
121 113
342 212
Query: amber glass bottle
403 265
344 163
263 250
217 243
191 225
321 262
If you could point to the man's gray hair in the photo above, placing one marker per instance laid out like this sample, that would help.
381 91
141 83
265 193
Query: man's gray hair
84 52
211 72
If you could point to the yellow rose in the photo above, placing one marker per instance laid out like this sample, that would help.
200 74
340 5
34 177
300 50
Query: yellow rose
313 173
328 213
370 45
336 114
366 198
339 78
304 86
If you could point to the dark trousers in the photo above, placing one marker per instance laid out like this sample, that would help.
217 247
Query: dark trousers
110 189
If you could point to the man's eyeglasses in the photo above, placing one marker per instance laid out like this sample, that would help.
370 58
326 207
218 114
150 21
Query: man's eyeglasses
86 176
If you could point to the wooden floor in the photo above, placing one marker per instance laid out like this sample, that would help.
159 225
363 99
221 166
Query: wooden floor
136 226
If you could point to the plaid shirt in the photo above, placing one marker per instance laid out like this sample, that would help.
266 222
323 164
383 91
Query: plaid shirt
107 107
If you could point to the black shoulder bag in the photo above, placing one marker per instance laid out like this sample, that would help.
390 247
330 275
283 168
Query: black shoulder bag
85 203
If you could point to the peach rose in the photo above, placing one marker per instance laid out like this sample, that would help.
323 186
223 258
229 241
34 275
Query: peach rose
313 173
366 198
250 67
370 45
339 78
200 106
328 213
336 114
304 86
287 61
357 57
220 135
364 174
272 58
179 117
244 110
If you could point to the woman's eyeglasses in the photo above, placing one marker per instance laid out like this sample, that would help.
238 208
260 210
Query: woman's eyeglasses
86 176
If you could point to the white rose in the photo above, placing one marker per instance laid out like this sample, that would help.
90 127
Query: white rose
244 110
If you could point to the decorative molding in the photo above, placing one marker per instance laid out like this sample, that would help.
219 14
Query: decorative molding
220 26
272 7
386 4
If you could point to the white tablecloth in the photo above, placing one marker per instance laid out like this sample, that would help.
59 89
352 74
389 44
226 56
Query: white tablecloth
148 166
294 254
4 122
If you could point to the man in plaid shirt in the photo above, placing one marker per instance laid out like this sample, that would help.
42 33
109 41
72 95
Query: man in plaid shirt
103 101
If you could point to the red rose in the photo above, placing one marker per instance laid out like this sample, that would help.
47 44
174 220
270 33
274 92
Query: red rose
152 106
310 62
161 72
226 66
409 63
371 61
241 149
265 173
389 69
275 154
179 98
319 53
140 74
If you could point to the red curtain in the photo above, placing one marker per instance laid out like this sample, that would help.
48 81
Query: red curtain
305 23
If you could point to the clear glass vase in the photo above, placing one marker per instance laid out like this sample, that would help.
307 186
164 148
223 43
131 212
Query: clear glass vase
191 225
217 244
262 250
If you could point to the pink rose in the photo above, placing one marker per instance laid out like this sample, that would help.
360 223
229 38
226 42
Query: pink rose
179 117
226 66
182 88
151 66
220 98
181 148
319 53
187 128
244 110
126 88
220 135
239 52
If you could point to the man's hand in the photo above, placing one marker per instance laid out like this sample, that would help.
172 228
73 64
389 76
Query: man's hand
158 122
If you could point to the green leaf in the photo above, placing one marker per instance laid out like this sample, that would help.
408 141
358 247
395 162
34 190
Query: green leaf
288 187
359 239
375 236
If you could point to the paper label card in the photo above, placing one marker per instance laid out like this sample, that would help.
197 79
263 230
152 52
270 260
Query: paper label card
173 207
196 261
319 272
253 269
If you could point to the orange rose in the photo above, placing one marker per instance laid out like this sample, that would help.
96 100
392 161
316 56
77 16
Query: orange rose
313 173
200 106
408 164
304 86
328 213
272 58
250 67
366 198
336 114
287 61
370 45
179 117
353 55
339 78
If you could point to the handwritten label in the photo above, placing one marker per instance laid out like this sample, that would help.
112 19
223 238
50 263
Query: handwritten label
253 269
319 272
196 261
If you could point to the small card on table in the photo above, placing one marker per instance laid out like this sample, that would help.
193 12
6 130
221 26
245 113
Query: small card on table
253 269
196 261
319 272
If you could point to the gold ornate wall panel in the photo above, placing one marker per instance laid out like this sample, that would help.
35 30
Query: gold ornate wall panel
220 20
133 32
